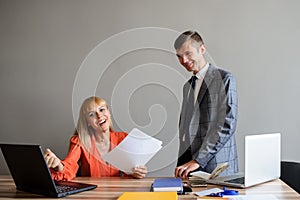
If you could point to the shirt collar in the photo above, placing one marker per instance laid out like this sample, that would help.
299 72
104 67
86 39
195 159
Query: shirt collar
202 72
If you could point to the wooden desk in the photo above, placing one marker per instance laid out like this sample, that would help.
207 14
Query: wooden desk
112 188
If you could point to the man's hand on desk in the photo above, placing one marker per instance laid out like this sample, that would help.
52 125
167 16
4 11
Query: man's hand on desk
183 170
139 172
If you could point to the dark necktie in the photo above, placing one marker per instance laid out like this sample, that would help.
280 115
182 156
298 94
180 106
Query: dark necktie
192 82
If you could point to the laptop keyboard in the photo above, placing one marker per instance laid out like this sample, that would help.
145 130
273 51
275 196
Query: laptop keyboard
240 180
64 188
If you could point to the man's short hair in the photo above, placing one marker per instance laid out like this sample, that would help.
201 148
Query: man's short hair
185 36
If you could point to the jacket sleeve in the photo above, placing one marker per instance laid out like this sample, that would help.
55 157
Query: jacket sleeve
223 121
70 162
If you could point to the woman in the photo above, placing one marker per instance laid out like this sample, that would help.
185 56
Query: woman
93 137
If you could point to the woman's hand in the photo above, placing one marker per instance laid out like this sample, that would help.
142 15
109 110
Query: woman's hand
139 172
53 161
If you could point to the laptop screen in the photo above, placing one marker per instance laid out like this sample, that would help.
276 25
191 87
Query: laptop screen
31 174
27 167
262 158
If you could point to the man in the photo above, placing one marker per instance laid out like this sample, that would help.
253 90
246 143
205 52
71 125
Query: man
209 112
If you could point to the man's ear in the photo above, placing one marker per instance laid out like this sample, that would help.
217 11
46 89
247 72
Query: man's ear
202 48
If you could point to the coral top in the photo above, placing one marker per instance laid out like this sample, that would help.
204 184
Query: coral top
91 163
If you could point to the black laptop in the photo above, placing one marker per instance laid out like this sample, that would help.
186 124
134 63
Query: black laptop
30 172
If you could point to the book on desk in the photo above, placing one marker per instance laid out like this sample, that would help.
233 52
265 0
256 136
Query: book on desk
200 178
167 185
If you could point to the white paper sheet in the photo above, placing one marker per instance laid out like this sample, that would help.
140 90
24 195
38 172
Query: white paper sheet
209 191
237 197
135 150
251 197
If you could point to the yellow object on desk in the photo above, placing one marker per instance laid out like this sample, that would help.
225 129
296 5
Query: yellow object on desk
149 195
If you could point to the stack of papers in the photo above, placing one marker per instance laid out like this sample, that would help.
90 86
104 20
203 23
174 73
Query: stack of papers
135 150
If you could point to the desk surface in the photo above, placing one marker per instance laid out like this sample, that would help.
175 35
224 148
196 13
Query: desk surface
112 188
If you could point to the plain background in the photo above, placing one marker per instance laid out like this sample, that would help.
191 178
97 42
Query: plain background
43 45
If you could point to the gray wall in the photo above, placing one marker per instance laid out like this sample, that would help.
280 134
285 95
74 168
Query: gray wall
55 53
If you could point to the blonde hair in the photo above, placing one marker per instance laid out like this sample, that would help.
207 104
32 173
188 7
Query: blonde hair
84 132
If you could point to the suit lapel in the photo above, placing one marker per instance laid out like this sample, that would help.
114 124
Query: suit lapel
188 109
210 74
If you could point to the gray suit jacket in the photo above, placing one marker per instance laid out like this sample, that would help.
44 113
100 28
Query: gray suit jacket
209 127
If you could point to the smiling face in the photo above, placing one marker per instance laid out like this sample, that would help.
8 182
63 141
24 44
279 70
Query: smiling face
98 116
191 56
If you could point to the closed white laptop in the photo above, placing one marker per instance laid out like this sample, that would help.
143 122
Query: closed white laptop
262 162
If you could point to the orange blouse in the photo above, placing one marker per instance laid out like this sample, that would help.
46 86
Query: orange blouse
91 163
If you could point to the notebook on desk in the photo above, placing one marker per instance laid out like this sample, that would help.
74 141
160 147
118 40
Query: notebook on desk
262 162
30 172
